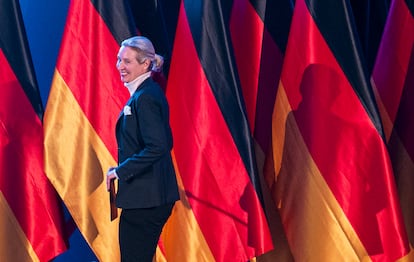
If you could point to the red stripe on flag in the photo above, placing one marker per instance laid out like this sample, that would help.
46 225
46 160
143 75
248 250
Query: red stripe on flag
23 181
246 24
217 185
393 76
90 73
341 138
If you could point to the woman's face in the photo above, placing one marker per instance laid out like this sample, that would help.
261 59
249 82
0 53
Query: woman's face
128 65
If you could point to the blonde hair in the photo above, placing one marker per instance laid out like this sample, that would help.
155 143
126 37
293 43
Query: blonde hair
145 50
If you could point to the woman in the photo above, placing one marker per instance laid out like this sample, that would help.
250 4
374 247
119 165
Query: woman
147 186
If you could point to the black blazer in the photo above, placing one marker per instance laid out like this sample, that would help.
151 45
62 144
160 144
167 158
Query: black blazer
145 169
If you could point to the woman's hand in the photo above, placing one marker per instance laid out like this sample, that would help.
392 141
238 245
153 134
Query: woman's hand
111 174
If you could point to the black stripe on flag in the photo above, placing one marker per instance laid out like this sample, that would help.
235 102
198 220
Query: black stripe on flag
209 25
118 18
15 46
410 4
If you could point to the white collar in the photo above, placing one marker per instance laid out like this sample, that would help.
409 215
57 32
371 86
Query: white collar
133 85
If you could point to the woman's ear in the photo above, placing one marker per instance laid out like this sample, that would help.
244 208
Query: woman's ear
147 63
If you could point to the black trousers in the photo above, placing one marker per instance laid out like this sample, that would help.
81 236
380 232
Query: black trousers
139 232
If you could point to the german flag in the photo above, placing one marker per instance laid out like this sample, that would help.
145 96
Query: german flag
29 205
85 99
393 79
220 216
246 22
335 187
259 31
277 19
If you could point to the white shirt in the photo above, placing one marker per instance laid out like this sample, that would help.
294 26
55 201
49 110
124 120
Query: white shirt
133 85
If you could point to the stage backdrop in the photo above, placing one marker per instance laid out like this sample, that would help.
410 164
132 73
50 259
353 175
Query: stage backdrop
258 90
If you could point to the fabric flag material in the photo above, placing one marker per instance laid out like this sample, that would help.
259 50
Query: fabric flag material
393 79
335 188
370 18
259 31
85 99
246 22
220 216
277 18
157 20
277 21
31 220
